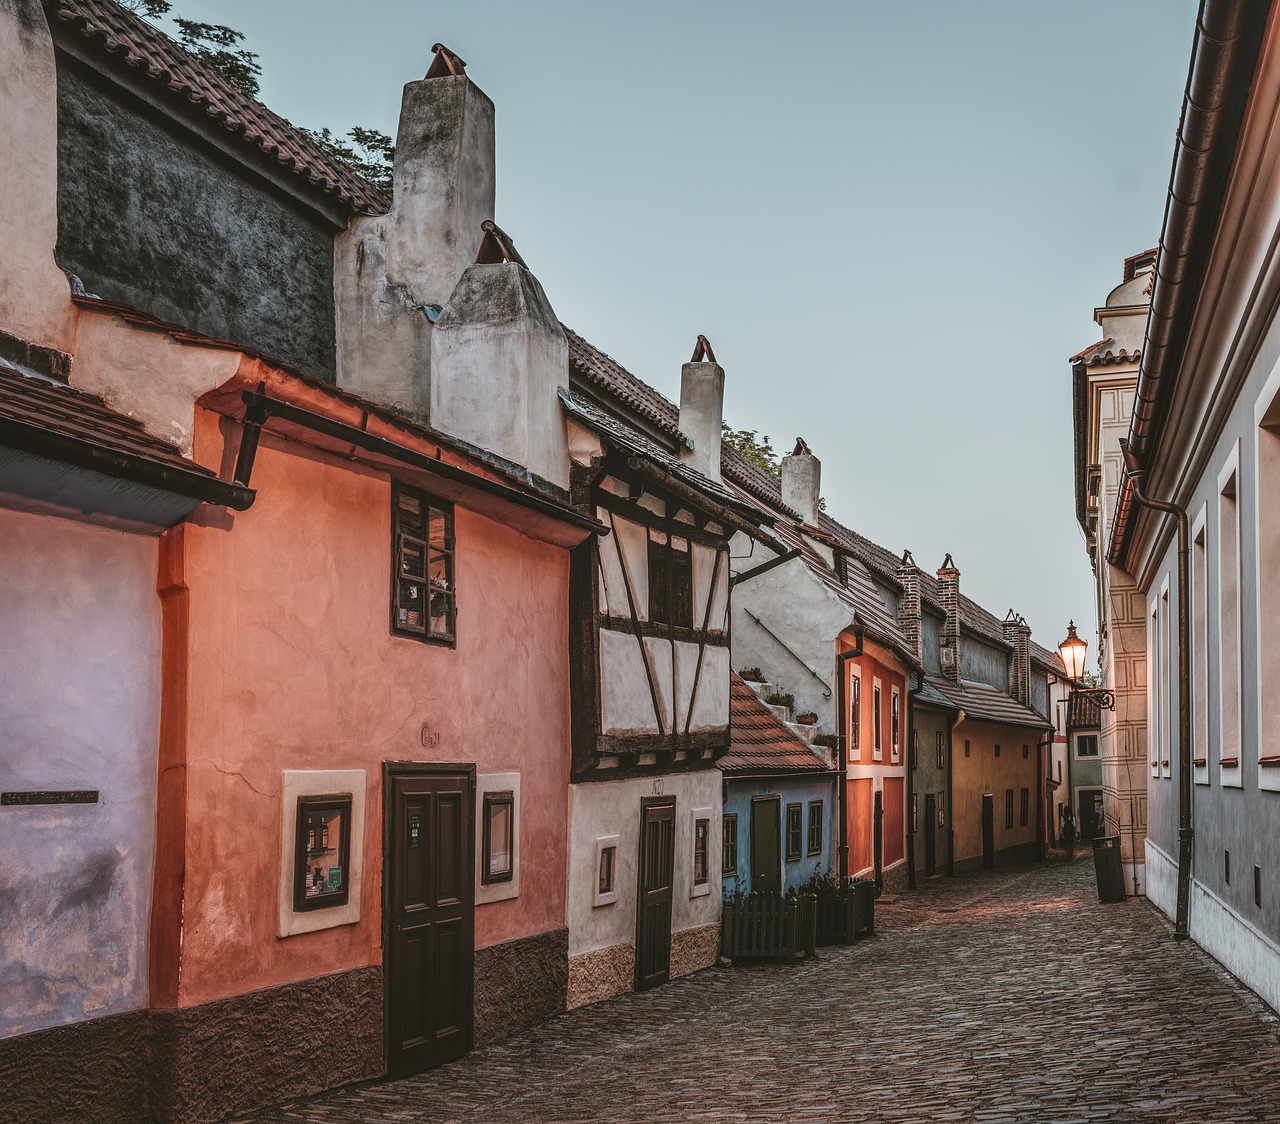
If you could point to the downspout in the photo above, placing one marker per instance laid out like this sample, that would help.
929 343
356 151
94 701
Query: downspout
1135 474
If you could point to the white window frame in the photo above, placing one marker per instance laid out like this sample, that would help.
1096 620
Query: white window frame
854 747
895 725
1155 669
1229 733
877 719
603 842
1266 547
1167 662
699 890
319 782
497 891
1200 645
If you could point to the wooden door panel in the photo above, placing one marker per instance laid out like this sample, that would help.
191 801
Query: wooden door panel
657 870
429 916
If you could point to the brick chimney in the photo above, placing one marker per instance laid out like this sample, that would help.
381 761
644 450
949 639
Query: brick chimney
908 574
1017 634
393 272
498 357
949 595
702 409
802 482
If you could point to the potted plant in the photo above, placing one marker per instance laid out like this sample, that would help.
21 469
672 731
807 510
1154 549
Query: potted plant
780 698
808 718
752 674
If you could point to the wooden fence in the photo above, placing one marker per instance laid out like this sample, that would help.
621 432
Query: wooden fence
769 927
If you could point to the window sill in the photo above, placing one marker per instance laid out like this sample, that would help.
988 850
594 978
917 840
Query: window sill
1270 762
1229 763
1201 762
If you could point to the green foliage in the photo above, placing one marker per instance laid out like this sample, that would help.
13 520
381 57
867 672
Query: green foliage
759 452
371 153
1091 679
219 47
780 698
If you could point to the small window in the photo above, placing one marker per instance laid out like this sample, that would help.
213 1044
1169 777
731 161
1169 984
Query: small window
498 850
940 741
855 716
875 721
997 749
1026 751
701 863
815 827
729 844
1086 745
1025 807
608 860
895 722
670 580
915 812
942 809
793 832
841 567
422 548
1008 807
322 852
966 747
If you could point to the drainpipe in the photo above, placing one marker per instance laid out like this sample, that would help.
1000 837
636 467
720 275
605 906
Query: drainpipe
1135 474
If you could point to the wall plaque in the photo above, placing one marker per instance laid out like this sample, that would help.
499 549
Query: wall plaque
69 796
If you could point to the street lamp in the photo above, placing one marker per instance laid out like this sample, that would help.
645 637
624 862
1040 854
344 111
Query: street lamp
1072 650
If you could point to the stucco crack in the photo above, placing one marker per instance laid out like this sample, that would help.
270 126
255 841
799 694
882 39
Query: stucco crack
236 773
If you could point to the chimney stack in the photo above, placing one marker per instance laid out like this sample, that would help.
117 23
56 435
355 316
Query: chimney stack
1011 627
702 409
908 574
802 482
498 359
394 272
949 595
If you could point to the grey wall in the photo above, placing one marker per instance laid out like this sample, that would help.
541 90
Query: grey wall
151 217
1040 692
983 663
931 634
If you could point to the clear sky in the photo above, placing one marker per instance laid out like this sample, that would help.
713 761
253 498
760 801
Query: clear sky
892 220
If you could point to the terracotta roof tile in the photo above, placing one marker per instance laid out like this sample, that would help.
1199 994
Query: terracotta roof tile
759 742
987 704
615 380
1083 711
184 79
61 409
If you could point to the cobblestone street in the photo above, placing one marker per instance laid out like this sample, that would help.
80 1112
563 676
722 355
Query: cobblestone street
1011 995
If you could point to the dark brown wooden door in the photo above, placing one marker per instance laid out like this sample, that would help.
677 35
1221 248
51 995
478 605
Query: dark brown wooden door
657 869
877 843
930 834
988 831
429 896
766 845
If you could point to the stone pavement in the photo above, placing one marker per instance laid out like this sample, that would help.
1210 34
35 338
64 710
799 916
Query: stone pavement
1002 996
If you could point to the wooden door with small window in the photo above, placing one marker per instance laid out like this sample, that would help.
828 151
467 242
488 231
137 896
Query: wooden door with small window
657 872
429 914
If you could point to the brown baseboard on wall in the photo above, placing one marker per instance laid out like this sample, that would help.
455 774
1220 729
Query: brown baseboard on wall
519 984
896 879
94 1070
694 949
601 974
233 1055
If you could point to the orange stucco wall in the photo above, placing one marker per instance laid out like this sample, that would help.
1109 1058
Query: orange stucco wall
291 665
982 771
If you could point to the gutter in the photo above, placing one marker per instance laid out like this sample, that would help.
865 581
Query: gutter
111 462
1223 60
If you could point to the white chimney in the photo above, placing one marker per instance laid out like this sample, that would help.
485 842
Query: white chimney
393 272
802 482
498 358
702 410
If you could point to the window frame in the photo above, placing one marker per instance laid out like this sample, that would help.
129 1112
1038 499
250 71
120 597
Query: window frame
449 552
342 803
1230 623
1082 738
895 724
1008 808
940 739
728 844
855 714
877 720
815 847
793 833
1024 807
499 798
663 571
702 850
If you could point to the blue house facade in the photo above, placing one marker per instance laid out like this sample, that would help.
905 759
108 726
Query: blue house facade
779 801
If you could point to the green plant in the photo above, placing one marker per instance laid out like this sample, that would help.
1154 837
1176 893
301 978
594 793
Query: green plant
752 673
781 698
827 741
808 718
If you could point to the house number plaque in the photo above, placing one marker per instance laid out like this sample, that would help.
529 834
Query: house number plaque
72 796
415 832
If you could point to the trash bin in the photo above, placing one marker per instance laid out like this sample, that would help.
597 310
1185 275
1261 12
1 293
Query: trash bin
1108 868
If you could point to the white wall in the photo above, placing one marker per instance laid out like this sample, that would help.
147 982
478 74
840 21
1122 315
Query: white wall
79 709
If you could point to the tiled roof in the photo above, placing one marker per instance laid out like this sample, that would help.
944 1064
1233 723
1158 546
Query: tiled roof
60 409
987 704
1083 711
615 380
1051 661
1101 355
759 742
930 696
185 80
626 438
